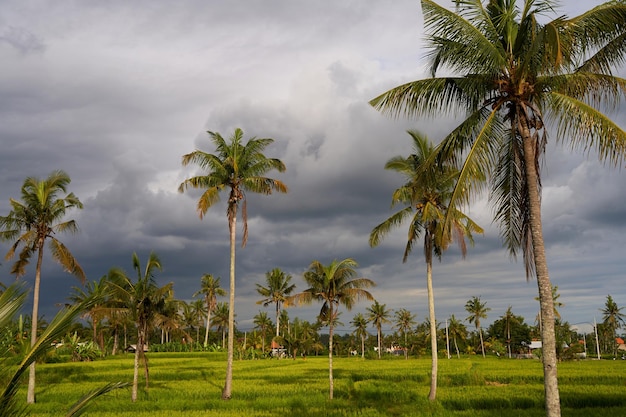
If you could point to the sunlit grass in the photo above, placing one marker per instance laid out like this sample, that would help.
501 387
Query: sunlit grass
190 384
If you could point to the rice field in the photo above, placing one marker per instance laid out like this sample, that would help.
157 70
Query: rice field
189 384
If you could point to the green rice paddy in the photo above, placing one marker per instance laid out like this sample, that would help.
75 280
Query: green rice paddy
189 384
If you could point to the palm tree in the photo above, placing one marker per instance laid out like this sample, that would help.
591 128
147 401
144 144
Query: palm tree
613 318
510 318
378 315
456 330
143 300
404 321
278 289
210 288
359 322
33 221
477 310
97 311
425 196
11 300
221 320
511 71
239 167
333 285
556 305
263 323
199 311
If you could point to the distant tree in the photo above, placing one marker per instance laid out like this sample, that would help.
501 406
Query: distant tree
276 291
425 197
144 301
359 322
613 319
477 310
221 320
38 218
333 285
241 168
263 323
456 330
98 310
377 314
510 330
210 288
404 321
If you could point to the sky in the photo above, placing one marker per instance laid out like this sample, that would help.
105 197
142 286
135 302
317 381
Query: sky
115 92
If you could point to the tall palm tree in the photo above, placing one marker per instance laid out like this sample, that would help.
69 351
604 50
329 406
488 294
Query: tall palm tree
359 322
211 289
143 300
404 321
425 197
333 285
263 323
38 218
377 314
240 167
477 310
613 318
511 71
456 330
278 289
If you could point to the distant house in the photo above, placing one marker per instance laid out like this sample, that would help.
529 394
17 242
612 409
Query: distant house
278 351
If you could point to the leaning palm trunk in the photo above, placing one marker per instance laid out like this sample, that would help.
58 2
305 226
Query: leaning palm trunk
433 327
482 342
30 396
227 392
548 338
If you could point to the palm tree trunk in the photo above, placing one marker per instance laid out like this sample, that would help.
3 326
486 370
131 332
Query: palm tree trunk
457 348
227 392
380 348
208 324
30 396
330 353
277 320
482 343
548 338
133 395
362 346
433 328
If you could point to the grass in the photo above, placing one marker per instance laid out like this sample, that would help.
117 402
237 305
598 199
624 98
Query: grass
190 384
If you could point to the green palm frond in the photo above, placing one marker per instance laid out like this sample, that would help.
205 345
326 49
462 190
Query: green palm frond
587 128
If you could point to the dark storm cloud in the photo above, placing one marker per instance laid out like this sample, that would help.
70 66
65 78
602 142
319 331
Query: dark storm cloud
115 93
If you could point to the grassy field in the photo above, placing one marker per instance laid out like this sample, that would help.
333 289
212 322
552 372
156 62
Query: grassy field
189 385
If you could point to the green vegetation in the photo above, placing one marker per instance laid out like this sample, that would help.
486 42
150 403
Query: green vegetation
189 384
